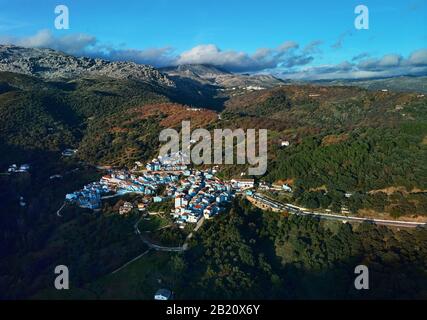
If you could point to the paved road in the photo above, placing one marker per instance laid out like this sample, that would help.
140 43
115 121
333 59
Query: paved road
58 213
302 211
164 248
198 225
129 262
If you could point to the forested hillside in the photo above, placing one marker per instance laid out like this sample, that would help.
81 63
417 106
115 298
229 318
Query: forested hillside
250 254
254 255
343 140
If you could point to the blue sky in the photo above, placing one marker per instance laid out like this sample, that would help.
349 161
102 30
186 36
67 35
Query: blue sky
296 39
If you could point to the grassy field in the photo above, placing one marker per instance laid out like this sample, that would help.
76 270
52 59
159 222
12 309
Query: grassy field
137 281
152 223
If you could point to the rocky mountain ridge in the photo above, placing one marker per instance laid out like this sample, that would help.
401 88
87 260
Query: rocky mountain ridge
49 64
212 75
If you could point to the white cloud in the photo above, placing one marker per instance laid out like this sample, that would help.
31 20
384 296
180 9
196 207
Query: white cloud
418 58
211 54
237 61
361 56
386 62
339 43
286 54
288 45
313 47
388 65
288 60
72 44
159 57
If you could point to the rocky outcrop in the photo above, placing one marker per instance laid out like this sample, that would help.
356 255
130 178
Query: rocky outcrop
208 74
51 65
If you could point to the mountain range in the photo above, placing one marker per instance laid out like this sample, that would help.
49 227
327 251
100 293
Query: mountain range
338 146
113 113
221 78
206 84
49 64
401 84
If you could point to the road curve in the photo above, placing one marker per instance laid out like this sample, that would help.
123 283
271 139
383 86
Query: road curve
327 216
153 246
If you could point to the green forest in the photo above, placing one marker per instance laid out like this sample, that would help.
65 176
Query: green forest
248 254
369 144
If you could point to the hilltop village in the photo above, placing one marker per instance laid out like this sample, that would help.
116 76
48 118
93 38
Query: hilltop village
195 193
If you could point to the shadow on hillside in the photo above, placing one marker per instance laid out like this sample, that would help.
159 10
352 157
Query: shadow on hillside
194 93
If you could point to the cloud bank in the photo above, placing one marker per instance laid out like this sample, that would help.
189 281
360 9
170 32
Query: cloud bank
363 67
288 60
287 54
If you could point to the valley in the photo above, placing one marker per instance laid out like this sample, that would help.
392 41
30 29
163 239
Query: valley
340 150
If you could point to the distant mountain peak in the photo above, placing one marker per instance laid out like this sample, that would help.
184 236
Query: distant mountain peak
203 71
205 68
210 74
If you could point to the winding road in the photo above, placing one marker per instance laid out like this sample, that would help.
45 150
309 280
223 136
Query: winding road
129 262
292 209
58 212
154 246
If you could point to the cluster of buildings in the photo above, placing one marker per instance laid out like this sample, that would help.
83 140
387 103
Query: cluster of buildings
275 187
22 168
200 194
173 162
196 193
242 184
89 197
123 182
119 182
254 88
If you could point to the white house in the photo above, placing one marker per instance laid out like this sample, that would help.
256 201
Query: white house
163 294
287 188
70 196
243 183
193 218
285 143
